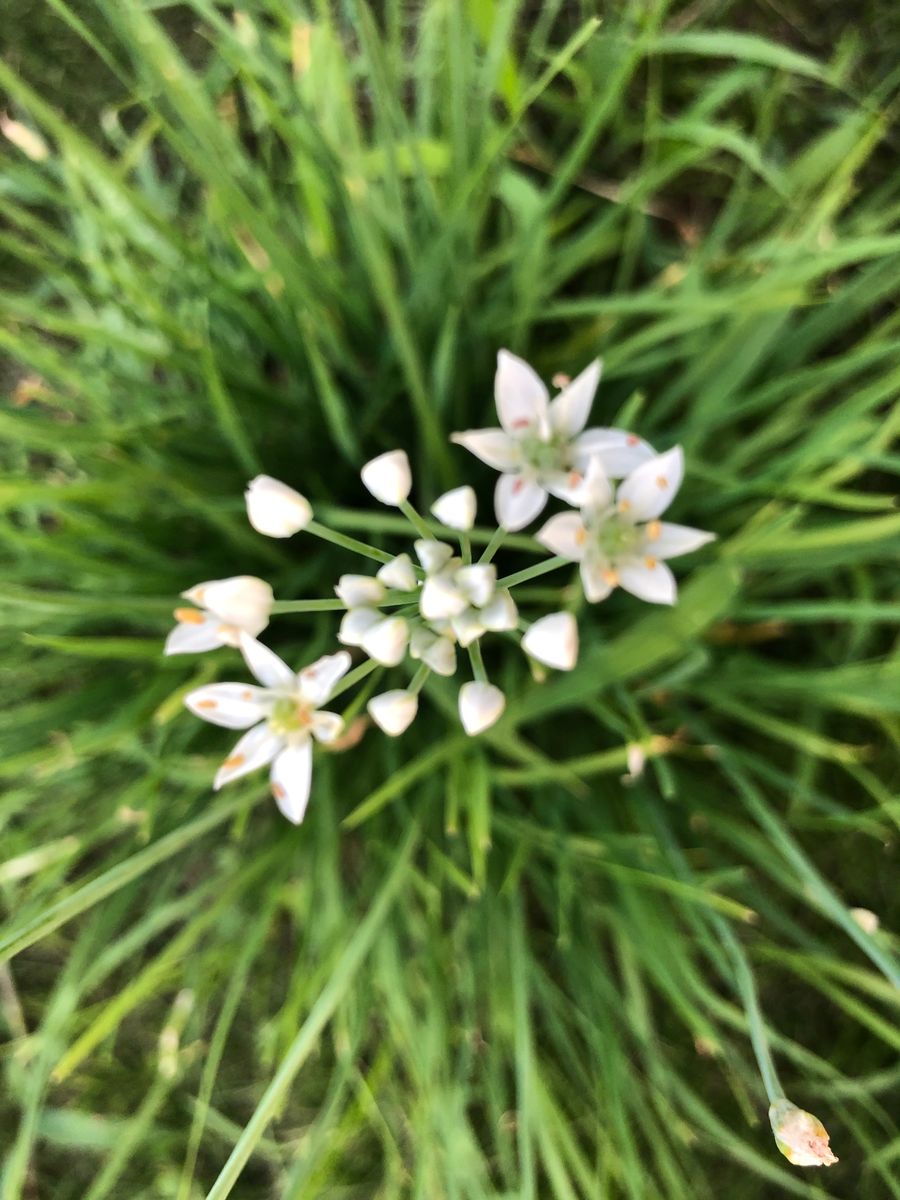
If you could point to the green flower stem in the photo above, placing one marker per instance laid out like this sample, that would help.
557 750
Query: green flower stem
358 520
355 676
465 548
416 520
497 538
348 543
477 663
532 572
391 600
418 680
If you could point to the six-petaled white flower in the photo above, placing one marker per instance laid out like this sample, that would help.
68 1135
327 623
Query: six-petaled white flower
618 539
275 509
281 717
543 447
225 607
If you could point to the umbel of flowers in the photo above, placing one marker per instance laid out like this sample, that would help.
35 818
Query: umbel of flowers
426 608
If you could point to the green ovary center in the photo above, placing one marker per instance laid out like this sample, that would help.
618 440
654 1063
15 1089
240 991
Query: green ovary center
617 539
289 716
546 457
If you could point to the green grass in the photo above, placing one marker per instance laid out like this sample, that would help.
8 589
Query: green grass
481 969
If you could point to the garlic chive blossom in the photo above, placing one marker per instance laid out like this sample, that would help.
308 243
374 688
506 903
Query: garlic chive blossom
456 509
481 705
618 539
388 477
281 717
553 641
800 1136
275 509
225 607
543 447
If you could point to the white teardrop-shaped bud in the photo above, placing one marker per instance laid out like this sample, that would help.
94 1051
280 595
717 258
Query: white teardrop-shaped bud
243 601
480 706
393 712
477 582
276 509
356 590
356 624
467 627
386 641
553 640
399 573
456 508
441 599
388 477
432 555
500 613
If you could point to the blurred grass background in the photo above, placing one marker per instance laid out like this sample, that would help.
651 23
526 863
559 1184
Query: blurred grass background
284 238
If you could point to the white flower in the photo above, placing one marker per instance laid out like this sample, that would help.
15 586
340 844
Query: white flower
801 1137
463 597
434 650
386 640
456 509
388 477
280 717
399 573
553 640
480 706
543 446
618 540
393 712
225 607
356 590
276 509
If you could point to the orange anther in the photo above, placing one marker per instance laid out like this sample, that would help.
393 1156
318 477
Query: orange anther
632 440
649 563
189 616
611 577
207 704
580 537
236 760
654 529
278 791
661 481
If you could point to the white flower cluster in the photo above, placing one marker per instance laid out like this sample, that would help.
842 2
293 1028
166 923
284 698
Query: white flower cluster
429 608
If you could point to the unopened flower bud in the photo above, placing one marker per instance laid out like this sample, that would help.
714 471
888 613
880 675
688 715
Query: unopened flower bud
553 641
480 706
801 1137
393 712
388 477
456 508
275 509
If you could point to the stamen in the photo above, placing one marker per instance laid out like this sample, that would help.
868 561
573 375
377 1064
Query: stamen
518 485
654 529
207 704
521 423
580 536
610 577
649 563
662 482
189 616
236 760
624 505
575 478
278 791
631 440
246 695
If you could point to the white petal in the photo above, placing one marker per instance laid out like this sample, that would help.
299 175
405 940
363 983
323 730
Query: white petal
399 574
276 509
316 682
520 394
468 627
234 705
492 446
565 485
651 487
596 492
388 477
570 410
356 624
255 749
440 656
477 582
326 726
500 614
441 599
356 591
386 642
266 665
564 534
243 600
597 579
393 712
553 640
432 555
195 634
665 540
480 706
456 509
517 501
291 777
649 580
618 450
